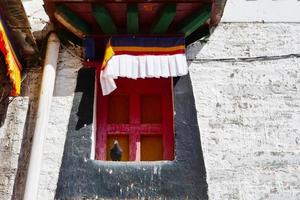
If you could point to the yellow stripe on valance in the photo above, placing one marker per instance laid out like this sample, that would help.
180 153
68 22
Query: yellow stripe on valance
147 49
13 65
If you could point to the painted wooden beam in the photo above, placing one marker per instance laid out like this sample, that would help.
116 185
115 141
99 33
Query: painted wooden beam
72 21
131 1
200 33
165 19
104 20
194 21
132 19
66 37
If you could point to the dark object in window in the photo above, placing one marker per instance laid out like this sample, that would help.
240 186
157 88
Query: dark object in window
116 151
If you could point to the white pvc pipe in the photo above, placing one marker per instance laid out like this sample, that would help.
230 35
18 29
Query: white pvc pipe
46 93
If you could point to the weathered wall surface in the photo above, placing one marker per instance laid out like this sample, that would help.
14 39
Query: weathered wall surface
249 112
15 134
11 134
261 10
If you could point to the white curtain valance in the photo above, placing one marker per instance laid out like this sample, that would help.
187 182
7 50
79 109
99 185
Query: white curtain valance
146 66
142 57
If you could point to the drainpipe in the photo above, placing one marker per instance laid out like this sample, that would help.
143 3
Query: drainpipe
46 93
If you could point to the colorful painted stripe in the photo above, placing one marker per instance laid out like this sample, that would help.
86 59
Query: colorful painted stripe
139 46
155 53
139 41
13 64
164 50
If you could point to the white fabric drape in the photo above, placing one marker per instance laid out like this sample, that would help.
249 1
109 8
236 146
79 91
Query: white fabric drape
145 66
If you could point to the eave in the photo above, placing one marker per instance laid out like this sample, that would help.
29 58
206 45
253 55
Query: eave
110 17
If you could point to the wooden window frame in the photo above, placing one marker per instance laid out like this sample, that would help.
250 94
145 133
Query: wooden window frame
135 128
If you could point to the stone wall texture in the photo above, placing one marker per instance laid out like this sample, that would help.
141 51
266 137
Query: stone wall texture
16 132
66 75
249 112
15 135
11 134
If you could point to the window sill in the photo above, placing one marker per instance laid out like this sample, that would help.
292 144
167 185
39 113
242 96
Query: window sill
133 163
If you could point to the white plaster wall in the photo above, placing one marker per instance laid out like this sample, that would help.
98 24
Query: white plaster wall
11 134
36 14
262 10
61 105
249 113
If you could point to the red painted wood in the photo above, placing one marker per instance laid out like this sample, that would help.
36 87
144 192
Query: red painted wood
168 121
118 12
123 128
134 89
91 64
101 123
148 14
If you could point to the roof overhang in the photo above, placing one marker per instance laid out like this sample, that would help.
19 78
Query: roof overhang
113 17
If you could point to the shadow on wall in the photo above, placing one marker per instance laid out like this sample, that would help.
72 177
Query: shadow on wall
85 85
81 177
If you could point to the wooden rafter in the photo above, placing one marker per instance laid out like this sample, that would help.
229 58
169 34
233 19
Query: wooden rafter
104 19
66 36
71 21
194 21
132 19
165 19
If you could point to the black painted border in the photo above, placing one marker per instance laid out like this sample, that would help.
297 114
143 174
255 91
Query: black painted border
81 177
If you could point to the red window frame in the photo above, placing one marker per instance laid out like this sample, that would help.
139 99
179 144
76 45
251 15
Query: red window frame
134 129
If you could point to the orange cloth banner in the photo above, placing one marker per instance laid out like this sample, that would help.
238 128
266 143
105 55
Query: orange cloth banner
13 64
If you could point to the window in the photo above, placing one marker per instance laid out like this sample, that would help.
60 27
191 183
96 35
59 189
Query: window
139 115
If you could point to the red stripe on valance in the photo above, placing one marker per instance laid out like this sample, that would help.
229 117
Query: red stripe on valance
13 65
